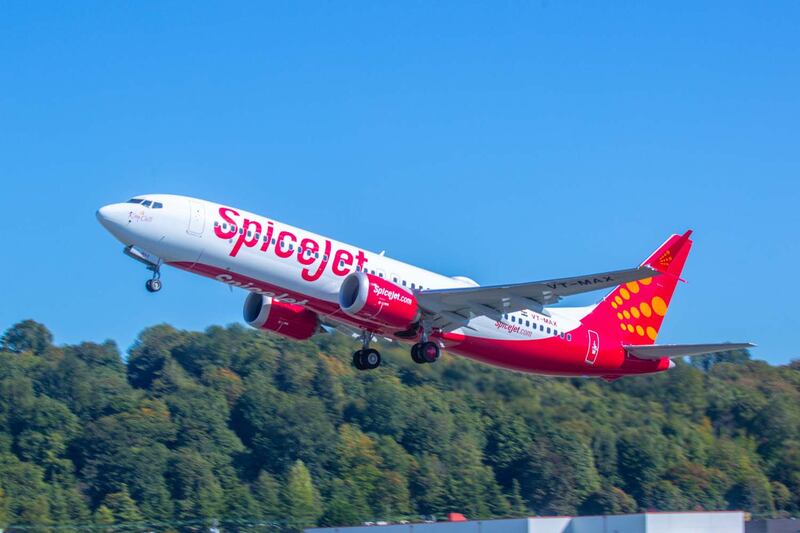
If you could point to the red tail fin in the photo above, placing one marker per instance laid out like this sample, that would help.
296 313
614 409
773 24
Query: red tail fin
638 308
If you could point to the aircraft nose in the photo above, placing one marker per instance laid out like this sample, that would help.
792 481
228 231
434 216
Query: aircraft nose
112 216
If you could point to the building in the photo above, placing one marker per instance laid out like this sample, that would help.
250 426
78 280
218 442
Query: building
776 525
694 522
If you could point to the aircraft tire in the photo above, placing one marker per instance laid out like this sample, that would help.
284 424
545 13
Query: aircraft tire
429 351
416 355
357 360
371 359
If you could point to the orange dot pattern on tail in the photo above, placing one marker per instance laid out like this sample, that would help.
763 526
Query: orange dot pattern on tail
639 308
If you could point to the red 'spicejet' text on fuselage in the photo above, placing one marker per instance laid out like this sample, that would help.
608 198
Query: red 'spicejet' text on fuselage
252 234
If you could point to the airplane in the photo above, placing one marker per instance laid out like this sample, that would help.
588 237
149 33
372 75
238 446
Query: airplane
301 283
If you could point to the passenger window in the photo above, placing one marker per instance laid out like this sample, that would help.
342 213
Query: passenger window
224 225
541 327
273 241
514 319
325 257
548 331
404 283
249 233
527 323
241 231
569 337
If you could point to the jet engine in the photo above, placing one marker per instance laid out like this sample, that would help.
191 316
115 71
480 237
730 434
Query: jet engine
290 320
377 300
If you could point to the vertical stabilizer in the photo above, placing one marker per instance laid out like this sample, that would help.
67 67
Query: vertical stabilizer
637 309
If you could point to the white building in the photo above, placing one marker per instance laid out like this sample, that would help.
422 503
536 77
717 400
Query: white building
695 522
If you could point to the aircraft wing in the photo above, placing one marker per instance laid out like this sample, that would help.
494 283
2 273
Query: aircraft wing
453 308
657 351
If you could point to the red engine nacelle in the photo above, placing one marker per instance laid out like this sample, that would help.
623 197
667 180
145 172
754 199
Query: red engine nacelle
290 320
375 299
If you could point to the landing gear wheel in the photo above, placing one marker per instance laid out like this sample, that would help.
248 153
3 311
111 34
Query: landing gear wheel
368 359
416 354
429 351
371 358
153 285
357 360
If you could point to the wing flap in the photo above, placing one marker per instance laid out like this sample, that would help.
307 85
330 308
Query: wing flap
657 351
453 308
498 299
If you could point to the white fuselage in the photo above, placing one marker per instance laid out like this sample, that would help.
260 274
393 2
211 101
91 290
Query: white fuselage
262 255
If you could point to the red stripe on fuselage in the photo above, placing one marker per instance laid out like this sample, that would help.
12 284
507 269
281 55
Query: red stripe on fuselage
551 355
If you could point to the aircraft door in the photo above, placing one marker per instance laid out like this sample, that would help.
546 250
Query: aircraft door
593 348
197 218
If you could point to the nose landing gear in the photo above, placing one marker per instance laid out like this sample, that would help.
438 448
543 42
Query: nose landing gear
154 284
366 358
152 262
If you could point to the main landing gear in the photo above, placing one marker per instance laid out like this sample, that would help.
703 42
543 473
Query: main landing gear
425 352
366 358
154 284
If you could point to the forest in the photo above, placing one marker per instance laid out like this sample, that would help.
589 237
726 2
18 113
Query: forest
243 431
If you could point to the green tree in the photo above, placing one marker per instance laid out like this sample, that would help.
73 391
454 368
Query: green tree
3 509
195 489
608 500
428 485
558 473
516 501
300 498
123 509
346 505
267 493
200 424
103 516
664 496
27 336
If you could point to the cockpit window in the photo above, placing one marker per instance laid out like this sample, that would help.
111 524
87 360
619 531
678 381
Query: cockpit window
135 201
147 203
157 205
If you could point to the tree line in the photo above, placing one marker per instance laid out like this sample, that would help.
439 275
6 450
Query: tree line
238 429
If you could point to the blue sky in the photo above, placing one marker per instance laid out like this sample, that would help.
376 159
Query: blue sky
507 141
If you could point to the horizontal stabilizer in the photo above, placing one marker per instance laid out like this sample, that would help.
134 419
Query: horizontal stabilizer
657 351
